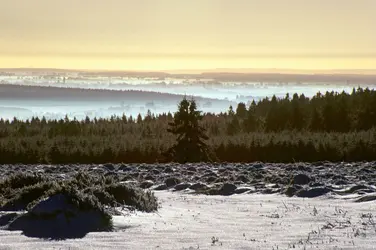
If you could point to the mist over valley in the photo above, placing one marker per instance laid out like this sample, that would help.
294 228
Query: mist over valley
57 93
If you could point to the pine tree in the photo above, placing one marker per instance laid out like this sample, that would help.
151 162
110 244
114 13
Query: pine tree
329 118
297 118
272 122
241 110
233 127
190 145
343 116
250 122
139 119
316 123
231 111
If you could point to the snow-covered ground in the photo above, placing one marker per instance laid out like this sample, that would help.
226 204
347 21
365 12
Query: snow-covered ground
246 221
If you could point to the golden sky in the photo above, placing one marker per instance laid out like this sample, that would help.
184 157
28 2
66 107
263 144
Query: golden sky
182 34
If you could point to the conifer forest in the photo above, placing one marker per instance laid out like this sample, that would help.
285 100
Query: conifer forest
328 127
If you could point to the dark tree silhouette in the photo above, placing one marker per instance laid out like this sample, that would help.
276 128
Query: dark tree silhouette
250 122
272 122
316 122
241 110
233 127
297 119
190 145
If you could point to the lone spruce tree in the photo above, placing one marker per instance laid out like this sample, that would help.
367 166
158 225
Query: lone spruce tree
190 145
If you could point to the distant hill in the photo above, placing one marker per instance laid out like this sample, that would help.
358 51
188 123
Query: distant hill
23 92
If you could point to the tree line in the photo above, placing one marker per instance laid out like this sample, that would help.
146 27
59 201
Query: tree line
331 126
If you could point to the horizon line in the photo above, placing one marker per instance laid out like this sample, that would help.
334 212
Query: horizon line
207 70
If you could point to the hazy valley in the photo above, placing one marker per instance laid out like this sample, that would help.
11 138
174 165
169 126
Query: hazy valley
54 94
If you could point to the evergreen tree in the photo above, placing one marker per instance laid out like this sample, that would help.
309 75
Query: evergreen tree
190 145
149 116
297 119
366 118
241 110
343 116
329 118
316 123
124 119
139 119
272 122
231 111
234 126
250 122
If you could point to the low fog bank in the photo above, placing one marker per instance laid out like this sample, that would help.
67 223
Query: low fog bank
24 102
54 96
233 90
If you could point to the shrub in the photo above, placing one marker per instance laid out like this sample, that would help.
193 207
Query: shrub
106 191
68 208
133 197
27 195
66 213
20 180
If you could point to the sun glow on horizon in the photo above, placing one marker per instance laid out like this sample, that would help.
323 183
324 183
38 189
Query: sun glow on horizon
197 34
201 64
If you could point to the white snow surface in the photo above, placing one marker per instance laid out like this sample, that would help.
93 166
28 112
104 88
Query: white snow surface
246 221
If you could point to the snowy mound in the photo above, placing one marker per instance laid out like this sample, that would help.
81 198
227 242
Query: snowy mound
60 217
68 208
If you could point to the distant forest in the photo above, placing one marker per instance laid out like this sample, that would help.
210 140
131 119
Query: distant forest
24 92
330 126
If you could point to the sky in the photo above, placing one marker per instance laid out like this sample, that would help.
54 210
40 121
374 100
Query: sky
195 34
